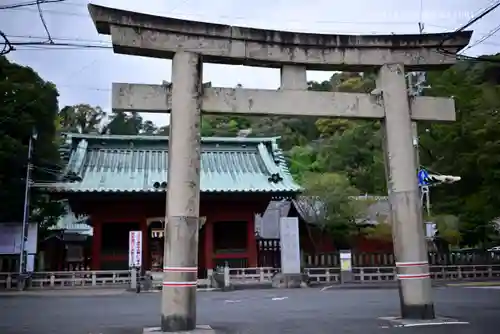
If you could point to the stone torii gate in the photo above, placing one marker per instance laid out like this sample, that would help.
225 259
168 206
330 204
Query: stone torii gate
191 43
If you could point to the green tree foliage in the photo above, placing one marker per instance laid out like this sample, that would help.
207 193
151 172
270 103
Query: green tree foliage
469 147
330 205
382 230
448 231
357 152
29 105
121 123
81 118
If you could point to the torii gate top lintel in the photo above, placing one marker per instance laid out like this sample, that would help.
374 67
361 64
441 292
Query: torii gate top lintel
152 36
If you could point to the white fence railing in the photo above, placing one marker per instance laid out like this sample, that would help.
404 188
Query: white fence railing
68 279
238 276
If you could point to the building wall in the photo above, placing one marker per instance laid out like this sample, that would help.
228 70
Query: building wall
216 209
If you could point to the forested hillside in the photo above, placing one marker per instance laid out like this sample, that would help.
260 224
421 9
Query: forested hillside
469 148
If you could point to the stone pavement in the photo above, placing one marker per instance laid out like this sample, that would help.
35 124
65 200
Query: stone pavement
249 311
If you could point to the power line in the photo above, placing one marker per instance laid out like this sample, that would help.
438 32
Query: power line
101 44
7 46
55 44
465 26
28 3
236 18
480 16
484 38
40 13
59 43
71 39
89 43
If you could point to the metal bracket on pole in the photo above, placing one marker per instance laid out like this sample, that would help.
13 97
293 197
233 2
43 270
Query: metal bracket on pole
425 194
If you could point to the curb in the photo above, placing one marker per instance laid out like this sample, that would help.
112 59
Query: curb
159 289
474 284
64 293
357 287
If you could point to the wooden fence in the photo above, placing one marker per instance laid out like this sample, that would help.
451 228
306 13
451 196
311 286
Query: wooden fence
269 253
269 256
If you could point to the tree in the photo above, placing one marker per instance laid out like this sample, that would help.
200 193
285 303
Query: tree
122 123
469 147
149 128
329 204
29 106
301 160
448 232
382 230
81 118
163 130
357 152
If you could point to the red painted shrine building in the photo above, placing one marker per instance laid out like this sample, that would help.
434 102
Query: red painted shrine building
119 182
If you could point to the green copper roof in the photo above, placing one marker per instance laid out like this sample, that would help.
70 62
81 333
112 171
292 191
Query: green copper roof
106 163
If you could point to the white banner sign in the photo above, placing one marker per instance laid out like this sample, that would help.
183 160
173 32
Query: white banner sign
290 246
135 249
11 237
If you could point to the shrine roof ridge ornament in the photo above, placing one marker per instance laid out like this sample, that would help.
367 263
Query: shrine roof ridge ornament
155 138
156 36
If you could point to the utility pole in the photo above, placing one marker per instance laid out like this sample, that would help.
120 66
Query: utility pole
416 89
26 212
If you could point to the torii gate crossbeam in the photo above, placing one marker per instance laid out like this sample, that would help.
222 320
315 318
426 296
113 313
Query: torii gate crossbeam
191 43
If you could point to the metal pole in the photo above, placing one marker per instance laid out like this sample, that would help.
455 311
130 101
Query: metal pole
183 196
406 215
24 233
417 91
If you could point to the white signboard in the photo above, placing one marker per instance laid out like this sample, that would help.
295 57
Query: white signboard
30 263
430 229
290 245
345 261
135 249
11 236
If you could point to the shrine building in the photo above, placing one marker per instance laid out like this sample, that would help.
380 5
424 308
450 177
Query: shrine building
119 182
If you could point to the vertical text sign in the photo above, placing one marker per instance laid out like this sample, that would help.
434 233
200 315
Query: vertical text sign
290 247
135 249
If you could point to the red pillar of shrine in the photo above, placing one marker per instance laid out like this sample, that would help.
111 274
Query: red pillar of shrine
251 242
209 244
146 261
96 243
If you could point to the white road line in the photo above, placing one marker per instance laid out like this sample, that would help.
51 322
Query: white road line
280 298
421 324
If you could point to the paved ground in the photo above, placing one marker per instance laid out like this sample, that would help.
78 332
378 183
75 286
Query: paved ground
247 311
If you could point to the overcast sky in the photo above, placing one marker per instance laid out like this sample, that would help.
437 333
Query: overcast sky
85 76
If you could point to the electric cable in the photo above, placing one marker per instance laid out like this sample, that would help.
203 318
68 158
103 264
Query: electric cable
7 46
28 3
465 26
40 13
484 38
55 44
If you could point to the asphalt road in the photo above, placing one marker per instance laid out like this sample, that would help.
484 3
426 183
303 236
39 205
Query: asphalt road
248 311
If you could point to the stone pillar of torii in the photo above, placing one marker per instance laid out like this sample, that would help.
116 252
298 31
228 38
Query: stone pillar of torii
190 44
